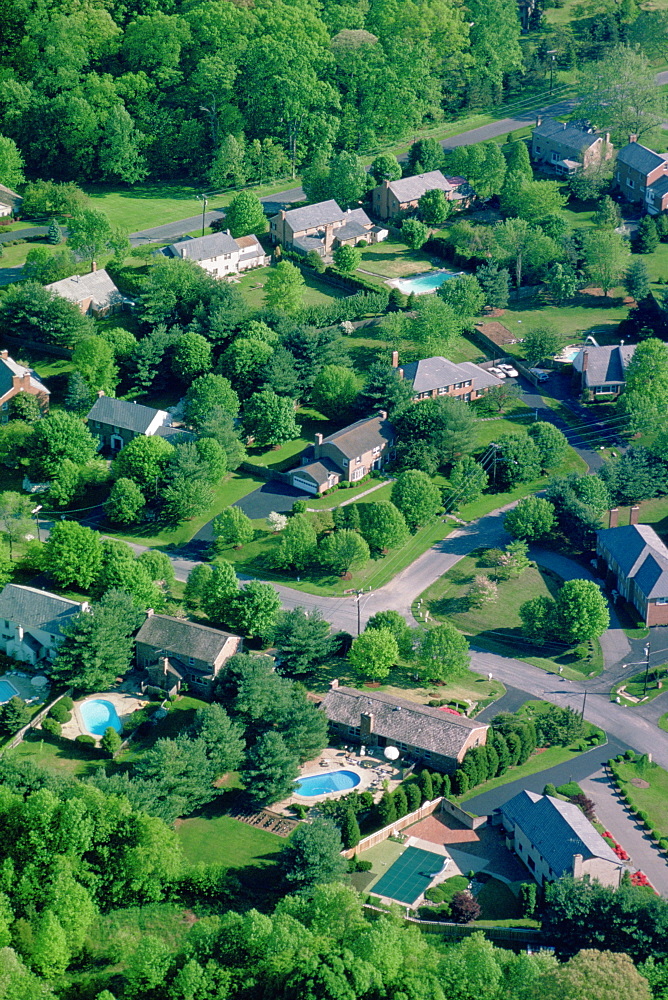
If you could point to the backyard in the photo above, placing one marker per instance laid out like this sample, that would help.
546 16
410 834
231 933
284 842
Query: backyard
217 839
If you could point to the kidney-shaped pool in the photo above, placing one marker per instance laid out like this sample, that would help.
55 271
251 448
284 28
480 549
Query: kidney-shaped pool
322 784
98 715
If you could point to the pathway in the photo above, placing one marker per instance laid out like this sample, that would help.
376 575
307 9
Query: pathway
344 503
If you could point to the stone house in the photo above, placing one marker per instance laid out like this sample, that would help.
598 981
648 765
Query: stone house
555 839
219 253
31 622
172 651
116 422
636 565
565 149
602 370
434 377
15 378
323 227
642 176
436 738
95 293
394 199
346 455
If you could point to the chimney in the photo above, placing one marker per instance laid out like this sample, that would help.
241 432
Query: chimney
163 662
93 267
585 360
100 393
633 516
4 355
633 137
607 138
21 381
613 517
19 633
317 441
366 725
539 121
334 684
578 868
150 612
383 414
401 372
227 232
395 359
386 184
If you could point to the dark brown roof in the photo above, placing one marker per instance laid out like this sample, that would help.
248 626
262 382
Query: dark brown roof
181 638
402 721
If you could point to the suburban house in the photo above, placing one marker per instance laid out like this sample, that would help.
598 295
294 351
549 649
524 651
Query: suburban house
116 422
94 293
219 253
323 227
173 651
566 148
346 455
434 377
10 202
31 620
437 738
15 378
555 839
642 176
393 199
636 564
602 369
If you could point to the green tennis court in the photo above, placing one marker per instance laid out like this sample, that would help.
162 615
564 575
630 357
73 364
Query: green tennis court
409 876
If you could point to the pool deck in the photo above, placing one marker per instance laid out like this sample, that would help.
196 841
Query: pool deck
24 688
371 778
124 702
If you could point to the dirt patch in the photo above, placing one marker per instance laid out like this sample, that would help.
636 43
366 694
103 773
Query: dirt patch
497 333
436 831
639 783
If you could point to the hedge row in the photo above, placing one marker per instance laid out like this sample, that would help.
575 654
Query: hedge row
622 786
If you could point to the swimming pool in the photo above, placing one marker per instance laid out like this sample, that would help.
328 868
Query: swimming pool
322 784
98 715
421 284
568 354
7 691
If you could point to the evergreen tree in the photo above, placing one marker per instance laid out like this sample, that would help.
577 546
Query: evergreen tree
387 813
55 234
636 281
647 237
495 283
111 741
350 831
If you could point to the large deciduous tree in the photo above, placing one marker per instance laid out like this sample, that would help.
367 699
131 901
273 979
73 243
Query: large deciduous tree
343 551
144 460
606 255
72 554
620 94
90 234
532 518
206 393
284 288
382 525
374 653
313 856
442 652
245 215
270 419
416 497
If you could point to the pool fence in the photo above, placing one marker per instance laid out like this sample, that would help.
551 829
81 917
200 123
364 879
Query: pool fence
426 809
34 722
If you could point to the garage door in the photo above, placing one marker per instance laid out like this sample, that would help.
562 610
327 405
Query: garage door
304 484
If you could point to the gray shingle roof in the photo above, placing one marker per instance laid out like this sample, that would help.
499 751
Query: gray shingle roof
400 720
641 556
321 214
182 638
605 365
351 230
659 188
319 471
412 188
434 373
639 157
9 197
96 285
120 413
482 379
566 135
34 608
9 367
204 247
557 829
363 435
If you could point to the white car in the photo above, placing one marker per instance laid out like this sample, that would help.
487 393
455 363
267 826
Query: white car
540 374
498 372
509 370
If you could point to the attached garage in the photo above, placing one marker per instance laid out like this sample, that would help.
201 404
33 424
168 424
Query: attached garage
305 484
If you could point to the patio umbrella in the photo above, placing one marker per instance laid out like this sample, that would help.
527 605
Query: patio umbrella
391 753
40 681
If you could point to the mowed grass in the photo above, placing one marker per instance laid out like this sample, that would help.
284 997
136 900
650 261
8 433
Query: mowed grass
63 757
316 292
286 456
393 259
222 840
587 315
652 800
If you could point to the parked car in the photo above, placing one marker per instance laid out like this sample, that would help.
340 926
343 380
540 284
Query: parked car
540 374
509 370
498 372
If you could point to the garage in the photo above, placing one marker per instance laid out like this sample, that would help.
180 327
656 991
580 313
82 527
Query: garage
304 484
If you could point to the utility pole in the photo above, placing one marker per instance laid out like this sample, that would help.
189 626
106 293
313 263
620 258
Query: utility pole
358 596
646 650
552 53
203 198
584 702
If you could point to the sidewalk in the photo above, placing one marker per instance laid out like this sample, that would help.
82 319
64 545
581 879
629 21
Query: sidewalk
344 503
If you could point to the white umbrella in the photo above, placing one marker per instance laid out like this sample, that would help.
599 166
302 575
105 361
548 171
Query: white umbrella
40 681
391 753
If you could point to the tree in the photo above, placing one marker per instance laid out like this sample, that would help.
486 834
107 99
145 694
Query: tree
343 551
46 267
191 357
223 738
14 714
464 907
11 164
185 498
597 974
636 281
15 517
605 257
607 215
245 215
534 201
382 526
302 639
144 460
425 155
443 652
313 855
90 234
414 233
126 502
233 527
213 459
518 460
482 591
620 94
198 583
532 518
468 481
110 742
433 207
464 295
25 407
254 610
93 358
646 386
350 830
270 419
205 394
270 770
334 390
550 441
49 952
297 545
416 497
34 313
79 397
246 360
383 390
647 236
434 325
284 288
348 180
495 282
229 165
97 644
518 160
482 164
55 234
72 554
519 244
374 653
562 283
58 436
540 342
385 167
347 259
582 611
158 565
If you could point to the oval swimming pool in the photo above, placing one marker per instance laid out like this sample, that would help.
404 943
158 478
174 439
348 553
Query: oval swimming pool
98 715
322 784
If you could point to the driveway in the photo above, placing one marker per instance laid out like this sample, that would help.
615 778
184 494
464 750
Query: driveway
271 496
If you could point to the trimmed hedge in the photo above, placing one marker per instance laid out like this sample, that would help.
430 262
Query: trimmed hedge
52 726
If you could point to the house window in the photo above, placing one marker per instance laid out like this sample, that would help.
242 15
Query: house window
357 474
662 600
531 863
629 182
442 390
358 460
191 661
555 157
354 730
117 430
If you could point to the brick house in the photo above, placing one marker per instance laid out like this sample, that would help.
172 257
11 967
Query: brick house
95 293
602 370
173 651
565 149
394 199
642 176
636 564
31 622
323 227
116 422
219 253
14 379
346 455
434 377
438 739
554 839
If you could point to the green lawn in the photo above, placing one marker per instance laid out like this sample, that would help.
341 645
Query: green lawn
222 840
286 455
337 497
64 757
498 901
587 315
181 717
316 292
663 722
652 800
393 259
635 685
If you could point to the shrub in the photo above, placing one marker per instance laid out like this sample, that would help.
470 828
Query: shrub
663 844
570 789
51 726
642 815
84 738
550 789
464 908
630 755
363 866
60 713
67 703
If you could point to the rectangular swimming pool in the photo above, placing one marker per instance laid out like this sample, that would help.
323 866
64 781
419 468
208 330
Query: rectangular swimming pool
7 691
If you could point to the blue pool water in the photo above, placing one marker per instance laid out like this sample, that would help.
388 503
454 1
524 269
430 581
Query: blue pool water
98 715
424 283
321 784
7 691
569 354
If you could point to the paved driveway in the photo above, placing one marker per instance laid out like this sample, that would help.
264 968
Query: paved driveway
270 496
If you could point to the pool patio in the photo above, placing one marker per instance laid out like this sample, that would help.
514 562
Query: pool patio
424 283
125 703
371 770
30 693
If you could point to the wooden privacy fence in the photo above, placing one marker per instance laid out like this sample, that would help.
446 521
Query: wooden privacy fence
426 809
35 721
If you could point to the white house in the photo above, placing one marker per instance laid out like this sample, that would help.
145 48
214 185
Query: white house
219 253
31 620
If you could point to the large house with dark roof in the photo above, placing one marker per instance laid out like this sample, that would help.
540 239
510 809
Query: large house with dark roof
603 369
437 738
116 422
393 199
31 622
565 149
636 562
95 293
434 377
555 839
174 650
16 378
346 455
219 253
323 227
642 176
